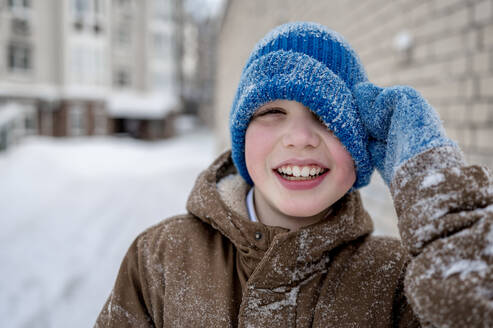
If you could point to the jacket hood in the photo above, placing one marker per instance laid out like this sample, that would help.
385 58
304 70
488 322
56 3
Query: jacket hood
218 199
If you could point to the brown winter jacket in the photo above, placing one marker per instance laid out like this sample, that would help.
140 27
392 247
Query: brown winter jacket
213 267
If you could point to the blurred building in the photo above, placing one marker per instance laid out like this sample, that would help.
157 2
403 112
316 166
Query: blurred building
198 64
442 48
87 67
145 88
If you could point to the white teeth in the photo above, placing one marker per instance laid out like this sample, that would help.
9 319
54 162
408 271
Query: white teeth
297 171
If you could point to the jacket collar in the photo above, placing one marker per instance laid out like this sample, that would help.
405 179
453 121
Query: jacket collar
218 198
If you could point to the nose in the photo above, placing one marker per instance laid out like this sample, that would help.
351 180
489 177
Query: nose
301 134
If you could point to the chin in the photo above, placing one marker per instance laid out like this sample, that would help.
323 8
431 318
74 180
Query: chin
304 210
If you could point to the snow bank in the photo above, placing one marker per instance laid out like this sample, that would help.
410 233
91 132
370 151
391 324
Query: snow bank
69 210
9 113
143 106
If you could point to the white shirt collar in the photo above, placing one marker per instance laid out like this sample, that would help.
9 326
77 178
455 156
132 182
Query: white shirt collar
250 206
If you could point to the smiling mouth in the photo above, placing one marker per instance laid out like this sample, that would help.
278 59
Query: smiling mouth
300 173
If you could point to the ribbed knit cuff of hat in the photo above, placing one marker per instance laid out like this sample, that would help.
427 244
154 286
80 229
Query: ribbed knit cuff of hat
296 76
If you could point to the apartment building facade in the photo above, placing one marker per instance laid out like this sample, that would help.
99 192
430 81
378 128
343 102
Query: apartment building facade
86 67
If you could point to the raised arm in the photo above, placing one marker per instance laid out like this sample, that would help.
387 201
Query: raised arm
445 208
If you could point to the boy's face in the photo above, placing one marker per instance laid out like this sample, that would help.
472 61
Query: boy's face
284 143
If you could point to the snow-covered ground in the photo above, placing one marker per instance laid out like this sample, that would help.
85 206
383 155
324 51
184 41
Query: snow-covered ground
69 209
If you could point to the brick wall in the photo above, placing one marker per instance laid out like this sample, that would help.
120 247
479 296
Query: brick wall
450 61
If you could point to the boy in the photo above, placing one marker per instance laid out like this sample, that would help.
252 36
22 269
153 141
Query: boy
276 234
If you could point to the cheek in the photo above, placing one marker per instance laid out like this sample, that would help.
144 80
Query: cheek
346 163
258 143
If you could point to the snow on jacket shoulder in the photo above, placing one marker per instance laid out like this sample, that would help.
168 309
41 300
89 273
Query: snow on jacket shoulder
214 268
445 212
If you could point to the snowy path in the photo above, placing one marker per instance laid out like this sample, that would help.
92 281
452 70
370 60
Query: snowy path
69 210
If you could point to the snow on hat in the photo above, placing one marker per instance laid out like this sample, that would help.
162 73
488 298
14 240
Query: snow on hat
310 64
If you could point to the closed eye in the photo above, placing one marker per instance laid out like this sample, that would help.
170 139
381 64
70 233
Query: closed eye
270 111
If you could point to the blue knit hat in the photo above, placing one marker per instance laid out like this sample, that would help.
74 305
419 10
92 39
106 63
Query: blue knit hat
310 64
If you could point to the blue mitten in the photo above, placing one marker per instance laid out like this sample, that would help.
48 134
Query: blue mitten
400 123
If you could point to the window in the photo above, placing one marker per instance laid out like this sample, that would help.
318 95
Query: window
87 65
24 4
100 121
85 7
77 122
89 14
162 9
123 32
20 26
77 64
122 78
20 9
161 80
19 57
3 137
97 7
46 123
124 3
78 25
29 124
161 45
80 7
99 66
30 121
